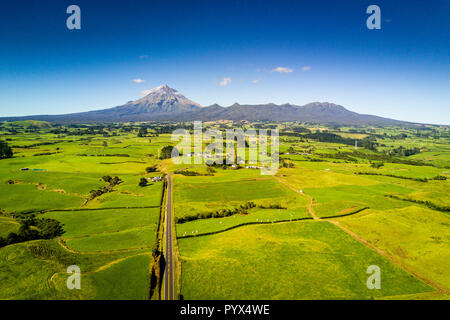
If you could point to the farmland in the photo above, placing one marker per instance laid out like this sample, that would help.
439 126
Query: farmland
308 232
110 236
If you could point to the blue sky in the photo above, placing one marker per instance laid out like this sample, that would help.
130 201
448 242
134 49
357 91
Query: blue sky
401 71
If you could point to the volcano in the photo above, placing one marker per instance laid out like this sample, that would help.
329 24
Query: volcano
167 104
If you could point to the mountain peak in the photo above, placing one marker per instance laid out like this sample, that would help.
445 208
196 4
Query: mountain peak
164 94
160 100
162 89
322 105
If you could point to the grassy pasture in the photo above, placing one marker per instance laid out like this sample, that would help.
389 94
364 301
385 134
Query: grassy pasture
149 195
130 279
288 260
7 225
139 238
329 200
198 227
244 190
37 270
20 197
299 260
416 236
88 222
229 189
74 168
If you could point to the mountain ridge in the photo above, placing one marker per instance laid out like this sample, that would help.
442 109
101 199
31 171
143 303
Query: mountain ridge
167 104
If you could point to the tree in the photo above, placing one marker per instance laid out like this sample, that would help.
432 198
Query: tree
142 132
377 165
143 182
5 150
49 228
210 170
115 181
166 152
151 169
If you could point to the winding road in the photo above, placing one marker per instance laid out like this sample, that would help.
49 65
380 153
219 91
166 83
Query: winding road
169 270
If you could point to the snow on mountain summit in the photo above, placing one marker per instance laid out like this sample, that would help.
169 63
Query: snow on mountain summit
162 99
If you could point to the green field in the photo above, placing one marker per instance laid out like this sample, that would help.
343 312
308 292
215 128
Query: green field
110 237
298 260
416 236
308 232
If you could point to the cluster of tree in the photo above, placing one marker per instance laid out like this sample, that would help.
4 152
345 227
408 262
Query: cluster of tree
403 152
5 150
221 164
112 182
169 128
387 158
439 177
368 142
32 228
315 159
328 137
88 131
376 165
290 150
166 152
271 206
338 155
142 132
242 209
399 136
286 164
143 182
60 131
151 169
192 173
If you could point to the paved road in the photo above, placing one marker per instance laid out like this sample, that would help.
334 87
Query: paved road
169 271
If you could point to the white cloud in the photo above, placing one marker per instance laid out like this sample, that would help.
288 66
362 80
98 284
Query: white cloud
256 81
306 68
138 80
143 56
225 82
282 70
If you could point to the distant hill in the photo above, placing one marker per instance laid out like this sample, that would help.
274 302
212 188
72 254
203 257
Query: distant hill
166 104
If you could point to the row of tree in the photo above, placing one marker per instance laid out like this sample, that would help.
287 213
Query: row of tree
242 209
112 182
